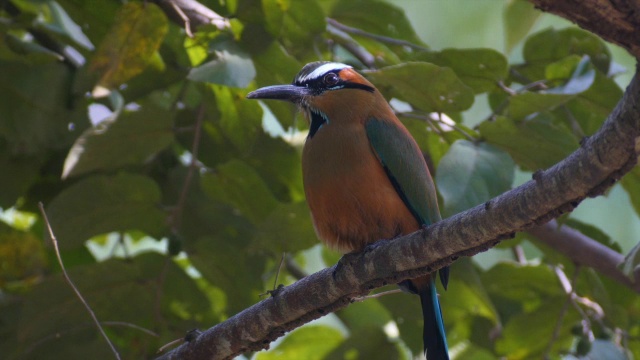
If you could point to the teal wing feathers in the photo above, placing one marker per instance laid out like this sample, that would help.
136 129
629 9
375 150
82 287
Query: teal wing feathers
406 168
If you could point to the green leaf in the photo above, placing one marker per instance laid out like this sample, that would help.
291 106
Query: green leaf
37 118
239 120
443 92
53 308
519 18
287 229
231 66
593 232
365 315
592 107
67 26
130 45
549 141
240 186
581 79
375 17
217 241
467 296
275 66
631 184
101 204
294 21
551 45
130 139
312 342
522 336
95 20
529 103
525 284
24 172
366 343
470 174
406 312
480 69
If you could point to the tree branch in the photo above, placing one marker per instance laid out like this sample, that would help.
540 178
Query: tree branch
583 251
616 21
600 161
192 14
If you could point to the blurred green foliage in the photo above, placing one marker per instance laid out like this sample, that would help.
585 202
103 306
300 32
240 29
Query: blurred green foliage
133 135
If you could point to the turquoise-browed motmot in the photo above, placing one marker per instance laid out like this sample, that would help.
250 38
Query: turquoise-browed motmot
364 176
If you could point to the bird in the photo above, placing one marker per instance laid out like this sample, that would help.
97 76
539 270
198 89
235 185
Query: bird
364 176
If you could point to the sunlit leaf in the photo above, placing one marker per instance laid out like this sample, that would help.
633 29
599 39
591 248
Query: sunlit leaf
238 185
533 144
480 69
294 21
381 18
132 41
426 86
519 17
231 66
130 139
470 174
311 342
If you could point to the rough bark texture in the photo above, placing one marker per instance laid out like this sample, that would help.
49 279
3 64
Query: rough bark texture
584 251
598 164
617 21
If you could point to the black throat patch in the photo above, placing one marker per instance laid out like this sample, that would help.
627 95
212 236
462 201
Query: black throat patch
317 120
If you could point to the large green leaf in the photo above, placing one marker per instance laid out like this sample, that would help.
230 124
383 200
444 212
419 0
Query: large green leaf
52 307
294 21
130 139
533 144
24 172
288 228
526 335
426 86
519 17
37 117
130 45
240 186
217 240
380 18
470 174
231 66
367 343
480 69
312 342
551 45
101 204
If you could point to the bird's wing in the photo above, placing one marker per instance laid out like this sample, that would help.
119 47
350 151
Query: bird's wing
406 168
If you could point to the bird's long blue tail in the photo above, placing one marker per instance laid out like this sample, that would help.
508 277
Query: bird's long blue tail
433 335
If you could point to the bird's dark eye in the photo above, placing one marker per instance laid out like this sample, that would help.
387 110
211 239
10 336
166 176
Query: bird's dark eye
331 79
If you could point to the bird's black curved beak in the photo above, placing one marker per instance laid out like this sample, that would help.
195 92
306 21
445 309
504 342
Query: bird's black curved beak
291 93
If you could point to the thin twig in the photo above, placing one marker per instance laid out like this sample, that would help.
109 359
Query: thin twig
352 46
176 215
518 254
430 121
380 38
130 325
184 17
275 281
68 279
376 295
568 287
